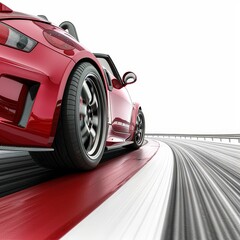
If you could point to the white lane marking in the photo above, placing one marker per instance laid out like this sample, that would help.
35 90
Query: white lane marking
137 210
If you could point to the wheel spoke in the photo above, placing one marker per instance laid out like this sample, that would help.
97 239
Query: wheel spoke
91 139
86 93
85 130
83 109
95 121
138 120
94 103
140 123
92 134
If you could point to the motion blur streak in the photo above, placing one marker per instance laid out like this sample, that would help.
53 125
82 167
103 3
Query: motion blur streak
206 192
138 209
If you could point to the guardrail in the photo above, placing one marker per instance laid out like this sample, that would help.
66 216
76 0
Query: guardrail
206 137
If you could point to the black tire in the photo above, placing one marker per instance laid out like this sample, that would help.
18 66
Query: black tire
82 129
139 133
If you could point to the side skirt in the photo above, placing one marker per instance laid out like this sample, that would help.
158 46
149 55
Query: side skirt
119 145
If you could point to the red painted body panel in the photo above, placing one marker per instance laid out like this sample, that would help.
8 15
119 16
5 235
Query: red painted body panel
16 68
121 111
11 102
51 209
48 67
18 15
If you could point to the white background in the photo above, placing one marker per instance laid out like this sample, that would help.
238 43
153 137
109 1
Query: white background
185 53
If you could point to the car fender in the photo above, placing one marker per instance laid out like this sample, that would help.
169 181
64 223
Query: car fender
84 55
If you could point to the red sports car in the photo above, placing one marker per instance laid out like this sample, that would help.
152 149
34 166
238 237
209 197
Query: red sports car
62 103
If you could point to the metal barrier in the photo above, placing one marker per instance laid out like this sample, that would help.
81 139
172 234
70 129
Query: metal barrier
212 137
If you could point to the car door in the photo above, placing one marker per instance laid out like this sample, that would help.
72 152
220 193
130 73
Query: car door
121 105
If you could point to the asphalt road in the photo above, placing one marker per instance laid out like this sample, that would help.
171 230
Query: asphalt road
18 171
202 203
205 197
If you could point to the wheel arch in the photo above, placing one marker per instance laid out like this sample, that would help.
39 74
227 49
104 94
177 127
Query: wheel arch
86 56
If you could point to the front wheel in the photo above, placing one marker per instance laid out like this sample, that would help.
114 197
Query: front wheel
82 130
139 132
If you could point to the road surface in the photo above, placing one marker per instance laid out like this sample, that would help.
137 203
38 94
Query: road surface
169 189
205 197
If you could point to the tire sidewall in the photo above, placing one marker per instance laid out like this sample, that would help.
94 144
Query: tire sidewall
89 161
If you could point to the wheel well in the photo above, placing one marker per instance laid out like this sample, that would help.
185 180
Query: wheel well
89 60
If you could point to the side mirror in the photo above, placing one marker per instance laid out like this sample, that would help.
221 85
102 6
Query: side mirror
116 84
129 78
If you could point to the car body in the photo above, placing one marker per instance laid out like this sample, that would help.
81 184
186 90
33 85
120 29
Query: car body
37 62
